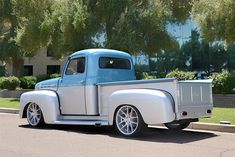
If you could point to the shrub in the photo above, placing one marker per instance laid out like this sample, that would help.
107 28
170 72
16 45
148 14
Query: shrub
223 83
54 75
42 77
10 83
147 76
157 74
138 75
28 82
181 75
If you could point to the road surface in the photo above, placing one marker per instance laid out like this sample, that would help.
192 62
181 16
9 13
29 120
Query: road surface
18 139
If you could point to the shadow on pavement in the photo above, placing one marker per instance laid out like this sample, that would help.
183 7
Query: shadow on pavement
151 134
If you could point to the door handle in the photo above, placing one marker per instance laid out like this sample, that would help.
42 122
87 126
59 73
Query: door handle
82 82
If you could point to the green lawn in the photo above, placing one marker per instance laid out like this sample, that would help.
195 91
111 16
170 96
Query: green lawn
9 103
218 114
221 114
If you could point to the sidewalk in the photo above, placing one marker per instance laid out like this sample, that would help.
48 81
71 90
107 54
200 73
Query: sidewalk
9 110
194 125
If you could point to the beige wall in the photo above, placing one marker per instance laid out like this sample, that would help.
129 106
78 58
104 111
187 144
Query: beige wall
39 63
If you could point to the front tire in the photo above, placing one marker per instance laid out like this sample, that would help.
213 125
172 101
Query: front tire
128 121
34 115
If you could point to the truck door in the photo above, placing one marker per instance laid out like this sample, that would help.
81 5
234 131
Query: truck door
72 87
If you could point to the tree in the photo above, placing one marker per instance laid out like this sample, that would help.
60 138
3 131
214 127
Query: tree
9 50
231 57
137 26
64 25
200 55
69 25
216 19
164 62
180 10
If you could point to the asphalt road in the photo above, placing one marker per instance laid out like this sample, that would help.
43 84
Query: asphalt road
18 139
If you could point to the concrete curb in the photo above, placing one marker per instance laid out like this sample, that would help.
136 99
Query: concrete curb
194 125
206 126
9 110
212 127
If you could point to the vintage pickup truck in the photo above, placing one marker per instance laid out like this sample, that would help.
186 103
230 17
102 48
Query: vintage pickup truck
98 87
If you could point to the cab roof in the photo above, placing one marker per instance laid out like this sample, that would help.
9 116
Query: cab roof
100 52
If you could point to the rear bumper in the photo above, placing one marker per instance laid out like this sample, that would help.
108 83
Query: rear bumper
194 112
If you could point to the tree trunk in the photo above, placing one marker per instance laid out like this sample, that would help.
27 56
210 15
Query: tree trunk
18 67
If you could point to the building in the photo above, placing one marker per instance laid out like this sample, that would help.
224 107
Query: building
42 63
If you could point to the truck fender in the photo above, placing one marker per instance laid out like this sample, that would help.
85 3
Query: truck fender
155 106
47 100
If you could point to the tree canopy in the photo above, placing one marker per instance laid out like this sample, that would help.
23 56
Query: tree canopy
69 25
216 19
129 25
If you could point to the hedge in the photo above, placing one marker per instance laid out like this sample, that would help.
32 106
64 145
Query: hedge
223 83
54 75
42 77
181 75
28 82
10 83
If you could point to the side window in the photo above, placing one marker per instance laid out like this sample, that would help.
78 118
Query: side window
76 66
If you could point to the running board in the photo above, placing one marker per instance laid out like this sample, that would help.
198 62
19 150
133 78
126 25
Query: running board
82 122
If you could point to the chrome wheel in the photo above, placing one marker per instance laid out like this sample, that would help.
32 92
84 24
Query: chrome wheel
34 114
127 120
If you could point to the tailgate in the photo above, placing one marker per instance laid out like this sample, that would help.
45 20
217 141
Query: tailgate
194 99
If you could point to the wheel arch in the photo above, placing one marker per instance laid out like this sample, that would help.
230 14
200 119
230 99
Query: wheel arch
45 99
25 110
154 106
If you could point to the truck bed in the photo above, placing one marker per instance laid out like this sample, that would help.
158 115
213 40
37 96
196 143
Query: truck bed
193 97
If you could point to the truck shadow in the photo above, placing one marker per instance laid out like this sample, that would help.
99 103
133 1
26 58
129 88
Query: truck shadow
151 134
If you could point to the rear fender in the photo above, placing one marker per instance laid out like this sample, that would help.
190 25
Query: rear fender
155 106
45 99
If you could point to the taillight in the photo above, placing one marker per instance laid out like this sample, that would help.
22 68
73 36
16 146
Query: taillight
184 113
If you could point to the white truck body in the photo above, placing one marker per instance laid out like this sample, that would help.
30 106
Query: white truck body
193 97
85 99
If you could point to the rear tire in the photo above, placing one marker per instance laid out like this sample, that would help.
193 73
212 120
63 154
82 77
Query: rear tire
128 121
34 115
177 125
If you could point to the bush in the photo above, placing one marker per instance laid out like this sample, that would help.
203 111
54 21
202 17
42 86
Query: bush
28 82
157 74
181 75
144 76
42 77
10 83
223 83
55 75
147 76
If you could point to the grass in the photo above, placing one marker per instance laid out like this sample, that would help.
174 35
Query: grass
221 114
9 103
218 114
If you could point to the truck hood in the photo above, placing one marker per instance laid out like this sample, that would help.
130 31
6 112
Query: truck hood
51 84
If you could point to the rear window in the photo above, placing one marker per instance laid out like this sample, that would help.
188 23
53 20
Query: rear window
114 63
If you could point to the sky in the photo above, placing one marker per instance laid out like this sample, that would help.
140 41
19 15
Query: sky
182 32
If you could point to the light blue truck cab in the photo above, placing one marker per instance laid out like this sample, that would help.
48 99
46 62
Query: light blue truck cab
99 87
95 71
